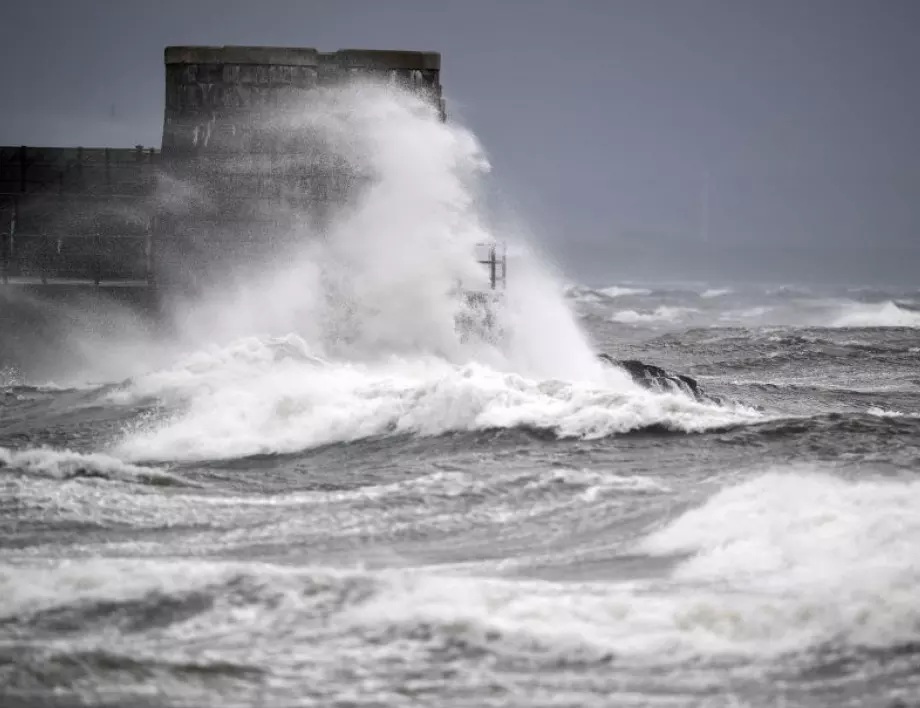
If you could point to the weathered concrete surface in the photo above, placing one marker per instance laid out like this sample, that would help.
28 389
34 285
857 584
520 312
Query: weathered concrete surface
230 54
217 97
303 56
76 213
235 135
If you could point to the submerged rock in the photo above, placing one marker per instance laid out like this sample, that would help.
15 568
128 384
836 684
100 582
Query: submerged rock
655 378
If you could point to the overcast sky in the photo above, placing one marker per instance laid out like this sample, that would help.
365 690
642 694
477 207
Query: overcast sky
604 120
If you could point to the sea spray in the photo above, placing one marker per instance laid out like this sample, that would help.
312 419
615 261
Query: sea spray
353 333
381 278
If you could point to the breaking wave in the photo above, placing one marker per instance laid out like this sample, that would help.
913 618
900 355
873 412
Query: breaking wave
886 314
663 314
817 558
66 464
786 562
354 335
619 291
260 397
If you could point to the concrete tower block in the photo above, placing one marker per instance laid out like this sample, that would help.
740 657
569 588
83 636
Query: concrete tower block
216 97
225 137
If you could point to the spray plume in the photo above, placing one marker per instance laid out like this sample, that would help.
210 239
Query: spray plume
381 277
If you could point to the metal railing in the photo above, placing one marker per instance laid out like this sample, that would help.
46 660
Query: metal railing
497 263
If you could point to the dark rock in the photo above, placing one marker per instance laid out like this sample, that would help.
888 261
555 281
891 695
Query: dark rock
658 379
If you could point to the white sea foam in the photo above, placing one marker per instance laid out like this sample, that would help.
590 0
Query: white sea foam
727 306
66 464
816 557
662 314
622 291
379 353
788 561
715 292
886 314
25 589
581 294
382 279
885 413
784 562
266 405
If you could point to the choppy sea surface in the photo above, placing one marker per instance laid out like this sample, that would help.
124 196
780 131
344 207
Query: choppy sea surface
253 524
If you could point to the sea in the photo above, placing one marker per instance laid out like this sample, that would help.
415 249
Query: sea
312 490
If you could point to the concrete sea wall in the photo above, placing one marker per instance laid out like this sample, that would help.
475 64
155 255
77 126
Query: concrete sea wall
167 218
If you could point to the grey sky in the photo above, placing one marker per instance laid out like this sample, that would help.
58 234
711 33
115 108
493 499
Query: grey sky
600 118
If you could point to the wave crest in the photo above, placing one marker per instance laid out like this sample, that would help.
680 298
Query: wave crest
819 556
267 406
66 464
886 314
664 313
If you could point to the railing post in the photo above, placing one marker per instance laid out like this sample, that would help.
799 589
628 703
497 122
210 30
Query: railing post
492 266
